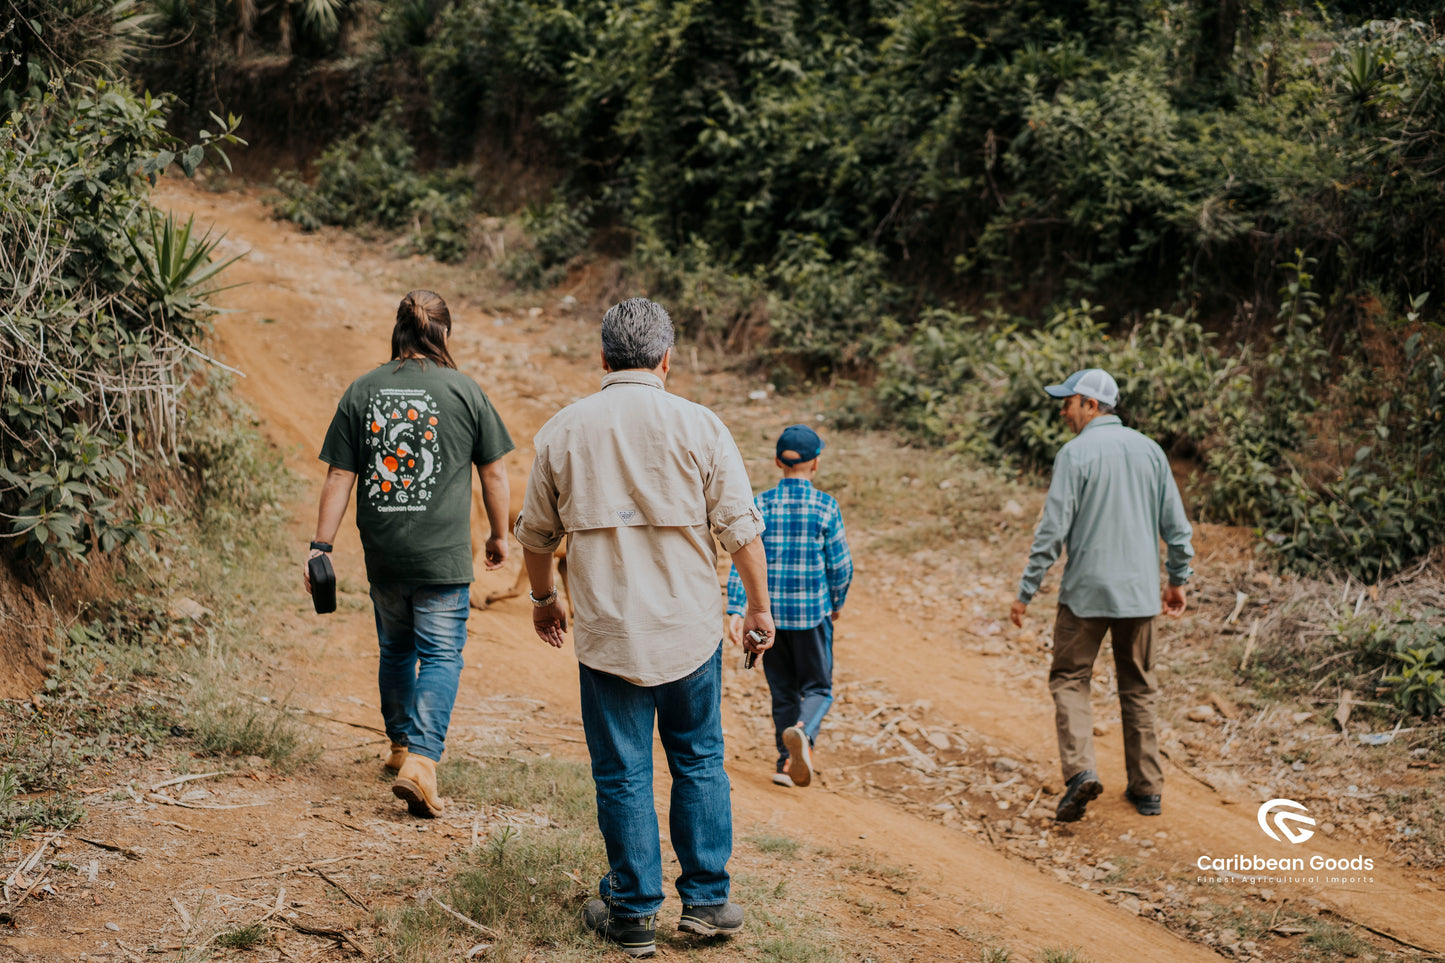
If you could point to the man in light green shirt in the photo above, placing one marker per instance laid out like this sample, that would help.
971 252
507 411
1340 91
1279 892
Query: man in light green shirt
1111 500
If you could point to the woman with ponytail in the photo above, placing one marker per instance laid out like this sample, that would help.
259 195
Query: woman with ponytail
409 432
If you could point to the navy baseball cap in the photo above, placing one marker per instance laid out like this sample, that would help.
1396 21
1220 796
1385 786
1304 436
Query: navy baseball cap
1093 383
801 439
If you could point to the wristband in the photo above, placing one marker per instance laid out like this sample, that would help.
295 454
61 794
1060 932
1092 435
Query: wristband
321 546
547 599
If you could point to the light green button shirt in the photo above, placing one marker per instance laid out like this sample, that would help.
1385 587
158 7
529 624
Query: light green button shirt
1111 500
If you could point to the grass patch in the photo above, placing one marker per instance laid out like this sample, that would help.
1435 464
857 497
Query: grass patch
1063 955
995 954
1334 942
773 844
520 882
241 938
793 949
865 864
116 696
239 727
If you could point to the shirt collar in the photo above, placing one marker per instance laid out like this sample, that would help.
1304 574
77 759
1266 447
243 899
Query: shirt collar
1102 420
795 481
632 376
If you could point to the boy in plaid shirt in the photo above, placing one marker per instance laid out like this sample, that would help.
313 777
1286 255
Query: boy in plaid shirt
809 570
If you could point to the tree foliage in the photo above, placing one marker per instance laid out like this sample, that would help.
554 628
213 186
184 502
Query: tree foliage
105 298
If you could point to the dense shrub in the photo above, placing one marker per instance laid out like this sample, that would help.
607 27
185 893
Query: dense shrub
370 178
1073 148
103 313
968 382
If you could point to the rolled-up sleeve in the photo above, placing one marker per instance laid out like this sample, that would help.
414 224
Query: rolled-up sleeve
539 526
731 513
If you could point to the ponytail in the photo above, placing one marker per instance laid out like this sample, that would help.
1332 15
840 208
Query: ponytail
422 325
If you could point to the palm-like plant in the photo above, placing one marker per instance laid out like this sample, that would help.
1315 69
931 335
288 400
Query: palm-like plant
176 270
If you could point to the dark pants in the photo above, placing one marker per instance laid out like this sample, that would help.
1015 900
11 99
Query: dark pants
1076 646
799 668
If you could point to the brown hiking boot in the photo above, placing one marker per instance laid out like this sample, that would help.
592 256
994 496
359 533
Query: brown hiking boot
397 757
417 784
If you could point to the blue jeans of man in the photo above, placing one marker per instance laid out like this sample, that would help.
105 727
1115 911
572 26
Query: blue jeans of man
618 717
421 630
799 668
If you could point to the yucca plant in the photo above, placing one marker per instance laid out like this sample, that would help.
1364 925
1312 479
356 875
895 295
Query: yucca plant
176 270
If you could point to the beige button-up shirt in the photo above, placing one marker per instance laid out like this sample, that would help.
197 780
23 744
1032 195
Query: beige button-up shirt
636 479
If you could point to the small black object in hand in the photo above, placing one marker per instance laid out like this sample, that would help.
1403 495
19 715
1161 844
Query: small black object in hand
323 584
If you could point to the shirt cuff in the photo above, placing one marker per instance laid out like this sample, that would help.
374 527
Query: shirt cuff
737 527
539 542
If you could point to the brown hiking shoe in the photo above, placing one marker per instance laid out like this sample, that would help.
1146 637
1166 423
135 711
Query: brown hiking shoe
417 785
397 757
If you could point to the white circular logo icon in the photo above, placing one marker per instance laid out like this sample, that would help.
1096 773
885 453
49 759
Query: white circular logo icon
1276 815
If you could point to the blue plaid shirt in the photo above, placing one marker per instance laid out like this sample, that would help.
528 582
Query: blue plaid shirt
809 568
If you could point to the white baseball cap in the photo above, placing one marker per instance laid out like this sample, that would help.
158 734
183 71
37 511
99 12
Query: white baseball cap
1093 383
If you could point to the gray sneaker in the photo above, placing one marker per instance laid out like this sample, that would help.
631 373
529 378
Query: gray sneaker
724 919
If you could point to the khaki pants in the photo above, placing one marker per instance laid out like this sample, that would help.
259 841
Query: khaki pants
1076 645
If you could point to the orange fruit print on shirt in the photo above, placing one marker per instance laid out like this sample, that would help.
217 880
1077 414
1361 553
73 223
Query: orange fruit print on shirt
391 466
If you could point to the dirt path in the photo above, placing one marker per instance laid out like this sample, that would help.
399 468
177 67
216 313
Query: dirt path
315 312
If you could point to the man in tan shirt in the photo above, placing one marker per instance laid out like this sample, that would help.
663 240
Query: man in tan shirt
640 481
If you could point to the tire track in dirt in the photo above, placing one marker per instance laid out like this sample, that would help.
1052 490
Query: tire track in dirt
316 311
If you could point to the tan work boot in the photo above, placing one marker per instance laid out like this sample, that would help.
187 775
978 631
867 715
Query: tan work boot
396 758
417 784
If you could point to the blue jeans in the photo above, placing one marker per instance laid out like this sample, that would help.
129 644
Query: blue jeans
421 630
799 668
617 717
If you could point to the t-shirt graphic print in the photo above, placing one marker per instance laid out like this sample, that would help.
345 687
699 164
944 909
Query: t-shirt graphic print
411 434
403 448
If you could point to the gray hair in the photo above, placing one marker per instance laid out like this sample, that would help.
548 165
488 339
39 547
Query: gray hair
635 334
1105 409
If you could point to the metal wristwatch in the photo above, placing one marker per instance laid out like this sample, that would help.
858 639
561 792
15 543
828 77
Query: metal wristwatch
547 599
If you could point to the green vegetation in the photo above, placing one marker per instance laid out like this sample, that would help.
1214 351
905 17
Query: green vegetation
241 938
949 205
523 881
1061 955
98 339
121 449
775 845
370 179
1333 942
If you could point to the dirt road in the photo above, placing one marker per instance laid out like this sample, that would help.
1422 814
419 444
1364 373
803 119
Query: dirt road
316 311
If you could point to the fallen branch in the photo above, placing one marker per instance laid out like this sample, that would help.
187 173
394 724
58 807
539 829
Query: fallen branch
292 869
344 891
1379 932
177 781
339 935
164 800
1030 807
1249 645
480 928
112 847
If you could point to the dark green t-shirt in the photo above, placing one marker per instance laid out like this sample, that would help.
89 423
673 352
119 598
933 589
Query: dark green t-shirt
412 434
